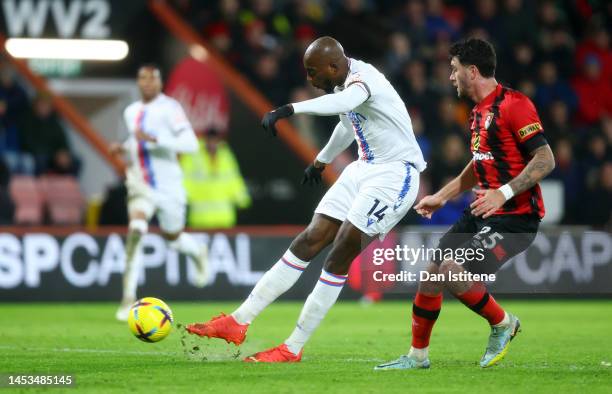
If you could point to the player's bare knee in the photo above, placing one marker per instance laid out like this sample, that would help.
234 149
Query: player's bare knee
138 226
170 237
344 251
446 267
430 286
310 241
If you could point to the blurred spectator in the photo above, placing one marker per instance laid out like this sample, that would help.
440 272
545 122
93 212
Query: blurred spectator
412 21
527 87
447 122
275 23
596 45
598 211
567 171
436 23
415 91
220 37
451 159
43 136
310 12
519 66
557 124
13 100
7 207
550 88
399 52
594 92
440 82
268 78
485 16
558 46
550 15
362 33
257 42
517 22
213 183
598 152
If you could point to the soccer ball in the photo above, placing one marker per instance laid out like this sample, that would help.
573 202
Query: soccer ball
150 319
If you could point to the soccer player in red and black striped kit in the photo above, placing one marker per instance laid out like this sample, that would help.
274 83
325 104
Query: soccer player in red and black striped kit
510 155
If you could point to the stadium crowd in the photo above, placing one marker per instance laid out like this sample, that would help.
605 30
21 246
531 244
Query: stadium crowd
555 51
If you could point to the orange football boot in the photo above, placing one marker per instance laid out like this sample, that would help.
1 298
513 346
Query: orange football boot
279 354
222 326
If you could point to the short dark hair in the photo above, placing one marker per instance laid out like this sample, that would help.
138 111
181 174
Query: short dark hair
150 65
476 52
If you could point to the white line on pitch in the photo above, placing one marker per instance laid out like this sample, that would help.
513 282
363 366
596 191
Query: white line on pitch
80 350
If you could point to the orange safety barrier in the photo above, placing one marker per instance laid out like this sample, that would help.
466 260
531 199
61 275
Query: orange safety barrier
66 109
235 81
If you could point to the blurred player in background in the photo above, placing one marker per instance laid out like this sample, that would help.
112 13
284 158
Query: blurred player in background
510 157
371 196
158 131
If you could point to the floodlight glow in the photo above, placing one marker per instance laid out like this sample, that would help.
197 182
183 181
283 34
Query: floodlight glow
50 48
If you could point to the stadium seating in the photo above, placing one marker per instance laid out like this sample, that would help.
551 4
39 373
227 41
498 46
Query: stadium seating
63 197
28 200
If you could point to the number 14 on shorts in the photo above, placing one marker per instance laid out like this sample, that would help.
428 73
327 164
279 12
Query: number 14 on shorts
378 214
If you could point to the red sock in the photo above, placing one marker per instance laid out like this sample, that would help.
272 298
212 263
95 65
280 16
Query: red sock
425 311
478 299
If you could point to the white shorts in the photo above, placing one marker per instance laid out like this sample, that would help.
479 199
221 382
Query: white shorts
168 207
373 197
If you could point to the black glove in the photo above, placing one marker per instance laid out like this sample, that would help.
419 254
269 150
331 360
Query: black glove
269 120
312 175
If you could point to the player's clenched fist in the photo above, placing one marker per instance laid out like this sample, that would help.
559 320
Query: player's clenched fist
312 175
428 205
269 120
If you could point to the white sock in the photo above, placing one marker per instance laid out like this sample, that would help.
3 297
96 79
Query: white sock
318 303
186 244
419 354
505 321
275 282
132 266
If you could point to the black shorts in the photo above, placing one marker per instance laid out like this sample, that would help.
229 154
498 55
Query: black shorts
482 246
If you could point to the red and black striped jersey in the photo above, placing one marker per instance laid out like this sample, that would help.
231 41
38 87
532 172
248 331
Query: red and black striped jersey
505 129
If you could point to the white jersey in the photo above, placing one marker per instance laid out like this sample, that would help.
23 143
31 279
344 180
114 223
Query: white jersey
379 122
155 164
382 126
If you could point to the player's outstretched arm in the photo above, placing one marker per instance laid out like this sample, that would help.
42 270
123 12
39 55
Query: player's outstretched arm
329 104
541 164
464 181
334 103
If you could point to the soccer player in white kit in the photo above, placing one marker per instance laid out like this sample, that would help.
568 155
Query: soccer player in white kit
371 196
158 130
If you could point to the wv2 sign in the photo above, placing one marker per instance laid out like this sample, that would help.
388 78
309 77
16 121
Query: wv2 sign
29 18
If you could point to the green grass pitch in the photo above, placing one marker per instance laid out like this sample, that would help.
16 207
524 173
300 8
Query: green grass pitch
565 346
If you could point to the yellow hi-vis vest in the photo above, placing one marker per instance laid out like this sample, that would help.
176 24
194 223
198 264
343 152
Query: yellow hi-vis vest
214 187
